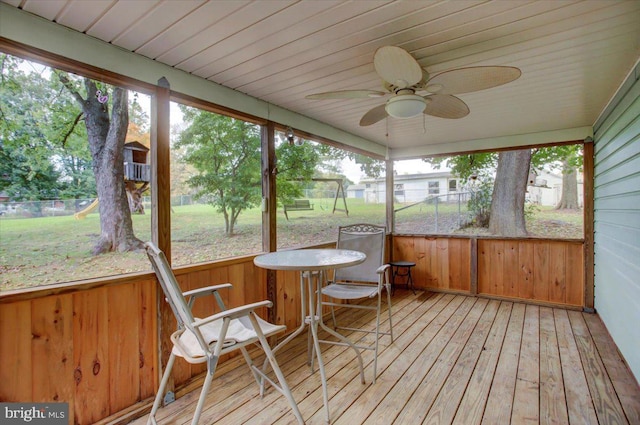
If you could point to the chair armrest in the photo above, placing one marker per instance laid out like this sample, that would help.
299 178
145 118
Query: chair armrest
233 313
207 290
382 268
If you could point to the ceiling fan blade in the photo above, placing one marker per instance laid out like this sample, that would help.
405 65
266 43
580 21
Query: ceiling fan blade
396 66
445 106
346 94
373 116
466 80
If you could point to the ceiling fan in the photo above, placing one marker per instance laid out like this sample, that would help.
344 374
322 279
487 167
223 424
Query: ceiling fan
403 77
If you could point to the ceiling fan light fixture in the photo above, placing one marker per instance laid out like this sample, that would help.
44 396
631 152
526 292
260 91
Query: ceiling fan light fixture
405 106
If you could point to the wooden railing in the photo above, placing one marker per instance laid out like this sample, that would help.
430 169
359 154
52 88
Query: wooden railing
96 344
137 172
93 348
538 270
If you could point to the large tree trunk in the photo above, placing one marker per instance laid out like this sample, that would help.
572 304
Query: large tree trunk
569 197
507 202
106 143
108 167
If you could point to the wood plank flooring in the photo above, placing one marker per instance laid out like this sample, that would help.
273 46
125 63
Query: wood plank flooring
454 360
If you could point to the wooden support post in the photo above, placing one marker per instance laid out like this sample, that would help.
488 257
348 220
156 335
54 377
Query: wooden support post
161 215
389 205
269 209
588 188
473 287
160 176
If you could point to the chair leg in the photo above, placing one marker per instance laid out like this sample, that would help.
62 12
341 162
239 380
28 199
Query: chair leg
203 394
333 316
160 394
389 310
375 350
254 370
284 387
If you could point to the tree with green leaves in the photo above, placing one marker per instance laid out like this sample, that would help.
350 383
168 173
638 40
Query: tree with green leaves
27 172
297 165
506 210
569 160
105 112
226 157
371 167
44 149
476 170
225 154
507 213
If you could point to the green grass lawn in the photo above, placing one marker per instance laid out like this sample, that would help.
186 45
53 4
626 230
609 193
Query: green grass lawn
47 250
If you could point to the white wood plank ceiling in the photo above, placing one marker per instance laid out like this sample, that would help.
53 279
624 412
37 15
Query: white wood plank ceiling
573 54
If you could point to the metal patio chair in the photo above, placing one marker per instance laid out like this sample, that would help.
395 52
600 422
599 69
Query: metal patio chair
362 281
205 340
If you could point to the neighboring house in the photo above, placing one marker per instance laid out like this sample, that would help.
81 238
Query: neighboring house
356 191
414 187
545 189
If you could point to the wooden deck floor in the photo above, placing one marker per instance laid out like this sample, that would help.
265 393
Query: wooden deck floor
455 360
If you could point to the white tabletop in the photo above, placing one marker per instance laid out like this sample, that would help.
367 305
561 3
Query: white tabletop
309 259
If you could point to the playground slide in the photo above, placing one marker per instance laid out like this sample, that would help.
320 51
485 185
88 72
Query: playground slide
80 215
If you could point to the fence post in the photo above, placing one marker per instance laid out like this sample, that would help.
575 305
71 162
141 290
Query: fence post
437 213
459 211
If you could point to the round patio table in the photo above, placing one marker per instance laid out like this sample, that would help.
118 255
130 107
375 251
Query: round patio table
311 263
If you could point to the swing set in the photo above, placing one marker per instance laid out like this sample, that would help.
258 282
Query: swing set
306 205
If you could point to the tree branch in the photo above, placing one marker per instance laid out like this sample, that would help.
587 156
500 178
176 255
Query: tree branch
73 126
67 84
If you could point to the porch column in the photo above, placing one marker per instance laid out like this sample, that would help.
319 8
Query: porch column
389 205
160 177
161 215
269 205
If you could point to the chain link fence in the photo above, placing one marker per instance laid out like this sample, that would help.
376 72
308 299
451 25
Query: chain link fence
66 207
440 214
52 208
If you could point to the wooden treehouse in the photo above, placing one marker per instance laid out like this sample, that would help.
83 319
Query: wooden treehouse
137 174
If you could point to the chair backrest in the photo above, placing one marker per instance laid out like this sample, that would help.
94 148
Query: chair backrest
172 291
367 238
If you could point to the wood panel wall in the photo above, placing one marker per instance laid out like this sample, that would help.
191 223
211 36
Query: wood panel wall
442 263
546 271
96 346
94 349
536 270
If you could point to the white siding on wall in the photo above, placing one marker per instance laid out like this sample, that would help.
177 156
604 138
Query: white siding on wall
617 224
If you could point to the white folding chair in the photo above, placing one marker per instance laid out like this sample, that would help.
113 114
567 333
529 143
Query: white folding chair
362 281
205 340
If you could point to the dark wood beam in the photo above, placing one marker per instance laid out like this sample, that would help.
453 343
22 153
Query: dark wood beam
588 189
160 159
389 205
269 209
